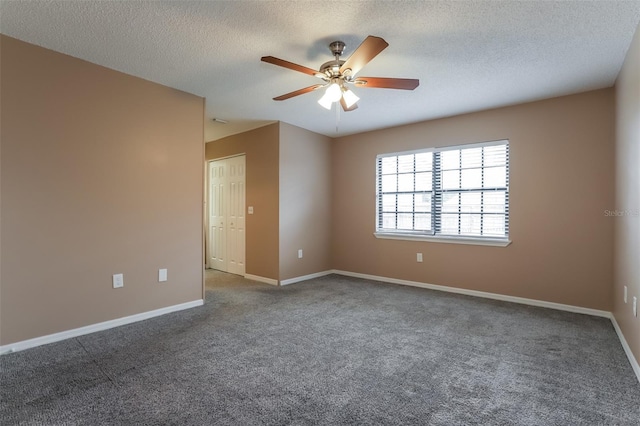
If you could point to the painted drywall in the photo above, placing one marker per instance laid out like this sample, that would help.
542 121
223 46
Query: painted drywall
561 181
262 186
305 202
627 203
101 174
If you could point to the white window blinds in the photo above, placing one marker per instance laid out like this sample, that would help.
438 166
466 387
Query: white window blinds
458 191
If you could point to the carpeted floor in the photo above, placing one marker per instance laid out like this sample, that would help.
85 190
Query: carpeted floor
330 351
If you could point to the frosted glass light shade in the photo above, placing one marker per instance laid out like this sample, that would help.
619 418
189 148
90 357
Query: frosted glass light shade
331 95
350 98
333 92
325 102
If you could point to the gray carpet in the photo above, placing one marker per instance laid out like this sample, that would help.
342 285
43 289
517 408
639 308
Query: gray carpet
330 351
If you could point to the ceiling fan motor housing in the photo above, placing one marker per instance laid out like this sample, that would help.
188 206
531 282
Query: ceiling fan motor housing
332 68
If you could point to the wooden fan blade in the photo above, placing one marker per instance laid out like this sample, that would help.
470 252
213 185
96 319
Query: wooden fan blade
368 50
290 65
344 106
298 92
387 83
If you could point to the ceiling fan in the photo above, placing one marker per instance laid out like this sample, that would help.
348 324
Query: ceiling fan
337 74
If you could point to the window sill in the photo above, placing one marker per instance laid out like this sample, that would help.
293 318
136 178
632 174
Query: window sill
449 240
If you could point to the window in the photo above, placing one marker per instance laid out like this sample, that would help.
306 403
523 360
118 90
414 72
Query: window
454 194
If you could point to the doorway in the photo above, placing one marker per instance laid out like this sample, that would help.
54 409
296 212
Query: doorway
226 215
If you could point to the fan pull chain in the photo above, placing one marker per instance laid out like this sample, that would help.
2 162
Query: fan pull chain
337 104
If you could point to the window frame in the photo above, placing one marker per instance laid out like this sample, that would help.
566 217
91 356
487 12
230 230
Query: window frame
437 194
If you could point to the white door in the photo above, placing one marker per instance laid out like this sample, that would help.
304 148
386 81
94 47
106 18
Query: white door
217 229
235 215
227 215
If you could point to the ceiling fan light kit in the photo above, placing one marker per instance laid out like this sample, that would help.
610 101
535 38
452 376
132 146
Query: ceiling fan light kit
331 95
349 97
338 74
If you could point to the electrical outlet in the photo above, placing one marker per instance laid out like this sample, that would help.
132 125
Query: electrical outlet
625 294
162 275
419 257
635 306
118 280
300 254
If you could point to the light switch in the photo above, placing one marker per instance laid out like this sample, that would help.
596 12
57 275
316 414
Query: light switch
118 280
250 209
162 275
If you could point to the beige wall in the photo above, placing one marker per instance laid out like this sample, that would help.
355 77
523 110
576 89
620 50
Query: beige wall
100 175
627 226
305 202
261 149
561 178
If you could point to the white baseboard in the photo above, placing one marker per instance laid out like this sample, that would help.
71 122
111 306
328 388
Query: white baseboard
305 277
486 295
261 279
627 350
63 335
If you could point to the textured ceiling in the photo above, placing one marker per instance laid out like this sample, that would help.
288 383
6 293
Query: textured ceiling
468 55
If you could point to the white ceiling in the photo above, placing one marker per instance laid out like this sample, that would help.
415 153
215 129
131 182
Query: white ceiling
468 55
